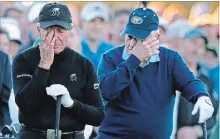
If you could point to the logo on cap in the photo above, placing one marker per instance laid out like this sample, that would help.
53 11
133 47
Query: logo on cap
55 12
136 20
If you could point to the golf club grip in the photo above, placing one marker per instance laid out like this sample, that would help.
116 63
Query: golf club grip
58 107
205 135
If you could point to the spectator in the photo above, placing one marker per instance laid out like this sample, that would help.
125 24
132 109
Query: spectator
188 127
74 42
119 20
157 6
95 16
175 12
17 12
199 39
199 8
13 29
13 110
211 57
4 43
176 32
5 81
215 132
15 40
208 22
163 25
214 71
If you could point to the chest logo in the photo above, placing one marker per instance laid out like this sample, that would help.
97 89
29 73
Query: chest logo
73 77
96 86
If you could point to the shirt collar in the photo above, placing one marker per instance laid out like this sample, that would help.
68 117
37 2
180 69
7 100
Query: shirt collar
36 42
152 59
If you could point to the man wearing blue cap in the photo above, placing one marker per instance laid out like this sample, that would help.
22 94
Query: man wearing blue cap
137 83
187 125
52 69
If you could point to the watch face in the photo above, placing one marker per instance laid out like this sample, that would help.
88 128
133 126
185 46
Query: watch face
208 102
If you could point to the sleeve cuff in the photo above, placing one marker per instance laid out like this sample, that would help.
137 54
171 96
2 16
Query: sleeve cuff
42 69
201 95
73 109
132 62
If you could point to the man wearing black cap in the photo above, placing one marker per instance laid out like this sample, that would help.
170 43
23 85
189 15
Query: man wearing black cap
138 83
42 73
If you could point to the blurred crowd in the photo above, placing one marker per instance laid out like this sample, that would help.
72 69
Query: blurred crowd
193 31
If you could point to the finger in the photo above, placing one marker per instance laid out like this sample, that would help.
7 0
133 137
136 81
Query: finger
44 34
156 34
155 47
202 116
60 38
47 90
206 117
210 113
49 37
148 40
55 93
149 54
139 43
155 52
54 97
153 43
195 109
52 44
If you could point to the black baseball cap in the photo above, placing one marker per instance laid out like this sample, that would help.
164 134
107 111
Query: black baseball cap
142 21
55 14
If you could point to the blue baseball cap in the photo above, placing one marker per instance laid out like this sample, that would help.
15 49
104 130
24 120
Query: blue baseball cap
141 23
196 33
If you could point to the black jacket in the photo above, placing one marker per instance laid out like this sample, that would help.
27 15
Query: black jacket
75 72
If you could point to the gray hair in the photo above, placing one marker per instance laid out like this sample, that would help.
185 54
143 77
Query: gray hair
38 24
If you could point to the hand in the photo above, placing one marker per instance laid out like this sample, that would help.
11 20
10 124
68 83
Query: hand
144 50
57 90
152 44
47 50
205 107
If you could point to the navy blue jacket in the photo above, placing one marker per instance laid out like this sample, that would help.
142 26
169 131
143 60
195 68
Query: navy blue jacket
139 99
5 88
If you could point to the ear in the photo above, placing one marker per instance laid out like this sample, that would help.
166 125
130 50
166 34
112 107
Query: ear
71 26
